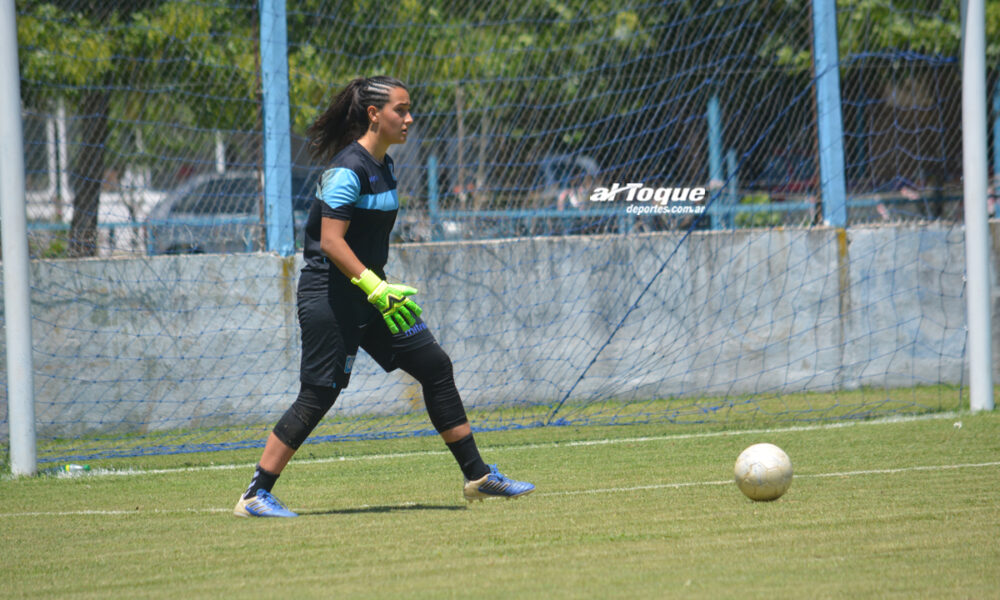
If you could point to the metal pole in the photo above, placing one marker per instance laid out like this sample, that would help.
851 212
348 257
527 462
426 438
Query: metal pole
715 176
828 115
733 191
16 280
996 136
977 240
277 128
432 197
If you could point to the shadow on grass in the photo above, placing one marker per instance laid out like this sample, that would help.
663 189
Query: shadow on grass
380 509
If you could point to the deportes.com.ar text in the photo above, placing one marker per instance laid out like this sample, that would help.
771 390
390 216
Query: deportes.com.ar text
659 209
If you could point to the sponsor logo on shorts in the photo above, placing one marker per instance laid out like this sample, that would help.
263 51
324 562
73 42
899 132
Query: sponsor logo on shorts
415 329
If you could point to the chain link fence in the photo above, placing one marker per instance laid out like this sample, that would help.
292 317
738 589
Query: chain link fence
626 127
143 118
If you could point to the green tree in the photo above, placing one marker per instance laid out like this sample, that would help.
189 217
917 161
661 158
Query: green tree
884 25
44 31
120 62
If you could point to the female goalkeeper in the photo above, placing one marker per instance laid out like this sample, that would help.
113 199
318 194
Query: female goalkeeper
345 303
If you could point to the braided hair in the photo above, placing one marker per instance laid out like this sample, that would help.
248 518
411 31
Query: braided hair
346 118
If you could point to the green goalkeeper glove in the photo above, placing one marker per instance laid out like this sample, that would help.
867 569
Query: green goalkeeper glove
400 313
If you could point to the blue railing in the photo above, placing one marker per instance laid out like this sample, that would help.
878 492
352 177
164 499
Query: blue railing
490 224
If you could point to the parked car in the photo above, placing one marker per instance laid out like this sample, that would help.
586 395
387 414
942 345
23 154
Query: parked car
786 176
221 213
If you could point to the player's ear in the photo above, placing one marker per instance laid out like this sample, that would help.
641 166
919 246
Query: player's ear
373 114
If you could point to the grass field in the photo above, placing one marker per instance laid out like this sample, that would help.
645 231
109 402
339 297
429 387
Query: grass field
894 508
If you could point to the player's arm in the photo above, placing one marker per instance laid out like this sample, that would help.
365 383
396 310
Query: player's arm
392 300
334 246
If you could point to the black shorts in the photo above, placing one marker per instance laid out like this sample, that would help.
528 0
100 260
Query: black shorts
339 320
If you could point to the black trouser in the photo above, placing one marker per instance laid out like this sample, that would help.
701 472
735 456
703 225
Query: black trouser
334 325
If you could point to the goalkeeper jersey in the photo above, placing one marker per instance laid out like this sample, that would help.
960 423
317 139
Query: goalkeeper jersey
359 189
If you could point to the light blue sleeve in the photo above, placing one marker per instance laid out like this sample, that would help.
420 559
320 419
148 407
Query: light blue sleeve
340 187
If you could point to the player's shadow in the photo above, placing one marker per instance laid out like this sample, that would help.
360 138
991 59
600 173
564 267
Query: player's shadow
381 509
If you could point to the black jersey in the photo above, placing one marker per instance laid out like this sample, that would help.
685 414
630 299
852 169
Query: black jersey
359 189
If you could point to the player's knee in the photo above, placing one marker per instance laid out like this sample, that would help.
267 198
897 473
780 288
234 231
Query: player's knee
305 413
432 367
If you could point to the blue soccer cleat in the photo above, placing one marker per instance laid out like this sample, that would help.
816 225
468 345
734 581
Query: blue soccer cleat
261 505
496 485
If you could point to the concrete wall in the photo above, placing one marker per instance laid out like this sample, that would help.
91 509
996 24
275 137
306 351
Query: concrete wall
165 342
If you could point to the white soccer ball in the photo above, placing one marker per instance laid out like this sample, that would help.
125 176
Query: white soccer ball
763 472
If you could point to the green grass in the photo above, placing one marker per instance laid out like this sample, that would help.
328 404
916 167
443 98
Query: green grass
904 508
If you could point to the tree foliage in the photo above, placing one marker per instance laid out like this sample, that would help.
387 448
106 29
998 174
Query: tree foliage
899 28
530 78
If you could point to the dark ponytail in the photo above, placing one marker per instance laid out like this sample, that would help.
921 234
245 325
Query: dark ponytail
346 119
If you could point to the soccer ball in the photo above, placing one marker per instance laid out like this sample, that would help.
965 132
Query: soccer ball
763 472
